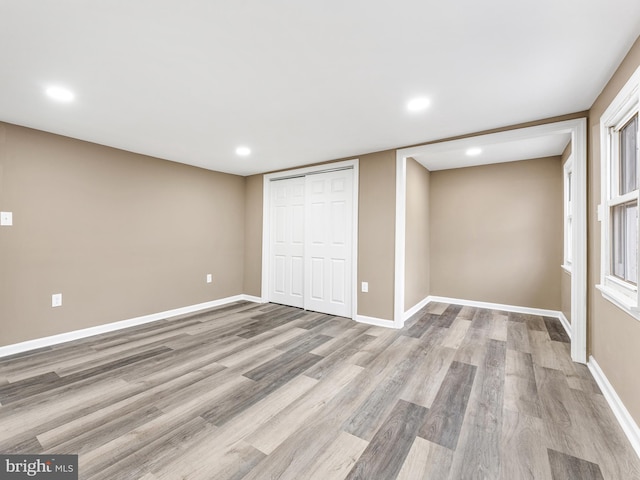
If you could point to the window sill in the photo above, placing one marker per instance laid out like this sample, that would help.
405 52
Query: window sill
566 268
619 300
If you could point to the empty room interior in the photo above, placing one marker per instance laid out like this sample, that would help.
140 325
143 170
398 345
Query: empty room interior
320 240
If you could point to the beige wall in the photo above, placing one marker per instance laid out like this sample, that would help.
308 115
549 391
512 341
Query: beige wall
118 234
376 233
496 233
253 236
614 337
416 275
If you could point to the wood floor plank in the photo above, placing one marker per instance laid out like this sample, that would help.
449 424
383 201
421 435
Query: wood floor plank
556 330
235 404
421 325
467 312
366 420
442 424
517 336
423 385
338 459
339 356
561 415
388 449
437 307
448 316
256 391
565 466
480 436
523 455
482 319
535 323
606 438
542 350
472 348
426 461
456 333
499 326
520 388
268 437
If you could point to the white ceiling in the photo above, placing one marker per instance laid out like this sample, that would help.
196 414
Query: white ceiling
494 149
300 81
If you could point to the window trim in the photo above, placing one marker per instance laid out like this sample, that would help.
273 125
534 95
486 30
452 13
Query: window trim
625 105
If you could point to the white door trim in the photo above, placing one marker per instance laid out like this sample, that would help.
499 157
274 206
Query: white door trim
578 130
266 222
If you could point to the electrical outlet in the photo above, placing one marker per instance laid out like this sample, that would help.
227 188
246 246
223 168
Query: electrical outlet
365 287
56 300
6 219
209 278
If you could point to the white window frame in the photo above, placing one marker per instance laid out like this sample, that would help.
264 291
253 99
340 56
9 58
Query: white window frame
626 104
569 194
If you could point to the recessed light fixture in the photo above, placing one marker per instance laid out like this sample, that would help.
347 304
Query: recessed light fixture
60 94
418 104
473 151
243 151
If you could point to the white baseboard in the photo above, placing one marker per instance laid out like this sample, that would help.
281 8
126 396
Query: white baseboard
110 327
379 322
565 323
629 426
415 309
251 298
507 308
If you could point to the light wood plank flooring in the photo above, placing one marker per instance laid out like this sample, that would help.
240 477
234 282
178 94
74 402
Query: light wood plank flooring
251 391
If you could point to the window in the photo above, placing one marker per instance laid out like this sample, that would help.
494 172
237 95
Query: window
568 214
619 209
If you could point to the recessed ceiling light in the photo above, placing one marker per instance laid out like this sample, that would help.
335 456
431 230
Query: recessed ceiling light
474 151
60 94
418 104
243 151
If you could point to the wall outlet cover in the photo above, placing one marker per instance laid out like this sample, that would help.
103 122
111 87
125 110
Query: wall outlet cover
6 219
56 300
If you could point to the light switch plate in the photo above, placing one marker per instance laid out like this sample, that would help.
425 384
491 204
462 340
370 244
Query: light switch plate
209 278
6 219
365 287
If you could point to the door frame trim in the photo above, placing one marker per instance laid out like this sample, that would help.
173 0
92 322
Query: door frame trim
266 222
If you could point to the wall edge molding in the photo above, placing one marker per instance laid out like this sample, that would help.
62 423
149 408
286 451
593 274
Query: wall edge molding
416 308
626 421
378 322
500 306
119 325
565 323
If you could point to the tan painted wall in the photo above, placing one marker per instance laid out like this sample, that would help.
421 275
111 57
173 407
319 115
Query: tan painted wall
118 234
614 337
253 236
565 277
496 233
376 233
416 234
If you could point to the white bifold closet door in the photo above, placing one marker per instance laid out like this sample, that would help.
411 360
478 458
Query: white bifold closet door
311 242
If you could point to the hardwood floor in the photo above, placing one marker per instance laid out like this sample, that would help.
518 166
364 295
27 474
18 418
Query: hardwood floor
251 391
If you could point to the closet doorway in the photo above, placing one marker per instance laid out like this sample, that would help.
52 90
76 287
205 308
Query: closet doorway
309 238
